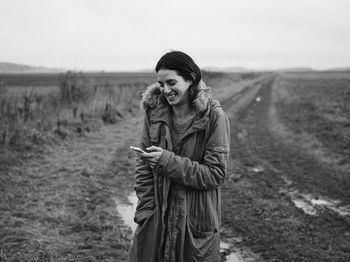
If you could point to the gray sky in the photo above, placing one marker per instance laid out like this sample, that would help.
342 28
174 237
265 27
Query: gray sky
129 34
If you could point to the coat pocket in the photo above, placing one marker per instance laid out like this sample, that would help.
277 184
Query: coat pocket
202 244
146 239
141 227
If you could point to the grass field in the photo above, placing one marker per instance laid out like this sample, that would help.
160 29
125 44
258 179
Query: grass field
71 102
320 108
64 161
316 112
286 196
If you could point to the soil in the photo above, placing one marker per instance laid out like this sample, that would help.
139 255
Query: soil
256 206
60 204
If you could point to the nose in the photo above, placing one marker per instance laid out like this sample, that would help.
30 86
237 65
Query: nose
166 89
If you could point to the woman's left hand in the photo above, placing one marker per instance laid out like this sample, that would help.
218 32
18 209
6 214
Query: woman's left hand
153 156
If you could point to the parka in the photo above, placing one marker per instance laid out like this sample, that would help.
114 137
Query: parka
179 203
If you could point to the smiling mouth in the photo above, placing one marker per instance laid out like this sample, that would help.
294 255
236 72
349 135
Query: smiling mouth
171 95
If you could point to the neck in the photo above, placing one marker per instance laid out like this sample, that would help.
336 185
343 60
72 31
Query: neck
182 111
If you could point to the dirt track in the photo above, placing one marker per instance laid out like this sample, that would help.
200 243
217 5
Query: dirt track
257 201
63 207
61 203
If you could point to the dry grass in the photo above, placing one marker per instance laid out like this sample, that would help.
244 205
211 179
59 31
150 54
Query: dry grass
313 113
58 205
57 196
33 114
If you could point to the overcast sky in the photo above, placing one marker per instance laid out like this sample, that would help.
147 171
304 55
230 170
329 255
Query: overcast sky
132 35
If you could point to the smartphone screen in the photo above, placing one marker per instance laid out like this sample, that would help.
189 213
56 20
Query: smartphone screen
137 149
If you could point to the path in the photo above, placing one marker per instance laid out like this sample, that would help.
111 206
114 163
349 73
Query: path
257 204
70 203
63 207
234 102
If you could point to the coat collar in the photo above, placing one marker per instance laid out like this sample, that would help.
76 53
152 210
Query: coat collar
153 96
153 99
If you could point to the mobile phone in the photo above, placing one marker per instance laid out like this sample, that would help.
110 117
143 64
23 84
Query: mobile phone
137 149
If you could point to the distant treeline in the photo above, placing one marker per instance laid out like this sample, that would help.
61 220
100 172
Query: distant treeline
102 78
54 79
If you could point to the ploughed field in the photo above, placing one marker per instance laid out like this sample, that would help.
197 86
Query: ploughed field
65 165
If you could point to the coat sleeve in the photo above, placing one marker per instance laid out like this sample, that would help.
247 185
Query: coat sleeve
208 173
144 183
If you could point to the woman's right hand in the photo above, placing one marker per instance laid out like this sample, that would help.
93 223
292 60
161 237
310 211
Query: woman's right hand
152 157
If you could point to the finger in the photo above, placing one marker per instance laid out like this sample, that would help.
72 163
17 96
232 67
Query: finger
155 155
149 153
148 159
154 148
147 156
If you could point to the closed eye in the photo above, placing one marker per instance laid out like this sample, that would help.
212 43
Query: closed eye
171 82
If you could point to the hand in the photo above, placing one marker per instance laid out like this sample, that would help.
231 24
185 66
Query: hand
151 157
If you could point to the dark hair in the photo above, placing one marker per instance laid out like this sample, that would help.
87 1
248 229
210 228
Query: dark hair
184 65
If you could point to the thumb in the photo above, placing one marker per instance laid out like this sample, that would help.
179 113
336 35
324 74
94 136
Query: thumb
154 148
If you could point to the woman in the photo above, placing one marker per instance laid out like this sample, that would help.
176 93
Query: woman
185 141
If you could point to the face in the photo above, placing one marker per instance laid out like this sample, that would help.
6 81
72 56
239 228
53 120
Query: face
174 86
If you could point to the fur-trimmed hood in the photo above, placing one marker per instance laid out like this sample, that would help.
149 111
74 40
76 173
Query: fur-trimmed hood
153 96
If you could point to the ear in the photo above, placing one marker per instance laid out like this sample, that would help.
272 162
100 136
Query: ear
190 82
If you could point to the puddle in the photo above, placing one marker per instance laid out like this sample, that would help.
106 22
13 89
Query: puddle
225 248
127 211
312 205
258 169
233 257
331 204
232 254
300 202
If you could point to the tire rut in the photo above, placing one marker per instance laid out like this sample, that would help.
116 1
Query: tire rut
254 206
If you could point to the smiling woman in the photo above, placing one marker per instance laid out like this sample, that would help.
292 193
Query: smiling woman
174 87
185 141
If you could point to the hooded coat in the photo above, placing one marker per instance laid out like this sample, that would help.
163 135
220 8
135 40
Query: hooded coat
179 204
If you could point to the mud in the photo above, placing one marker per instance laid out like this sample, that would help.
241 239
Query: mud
231 247
127 211
280 199
227 249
